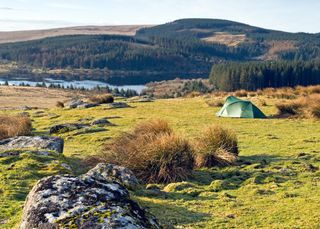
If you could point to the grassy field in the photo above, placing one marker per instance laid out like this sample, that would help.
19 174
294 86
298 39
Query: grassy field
275 185
15 97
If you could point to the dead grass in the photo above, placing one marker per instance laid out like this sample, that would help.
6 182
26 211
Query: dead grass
279 93
218 102
304 107
153 152
11 126
15 96
241 93
127 30
226 39
217 146
193 94
276 47
60 104
102 98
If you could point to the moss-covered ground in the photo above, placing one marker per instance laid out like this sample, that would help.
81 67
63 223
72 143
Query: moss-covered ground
275 185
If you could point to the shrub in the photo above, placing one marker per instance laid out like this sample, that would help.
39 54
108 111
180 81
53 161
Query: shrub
11 126
103 98
153 152
60 104
217 146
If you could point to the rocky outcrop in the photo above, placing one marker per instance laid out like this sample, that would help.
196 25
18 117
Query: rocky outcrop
93 200
63 128
29 142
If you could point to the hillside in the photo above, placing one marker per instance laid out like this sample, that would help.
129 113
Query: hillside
16 36
184 48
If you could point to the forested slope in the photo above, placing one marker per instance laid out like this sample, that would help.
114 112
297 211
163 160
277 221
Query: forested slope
185 48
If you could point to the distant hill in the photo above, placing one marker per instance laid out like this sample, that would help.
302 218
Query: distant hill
184 48
16 36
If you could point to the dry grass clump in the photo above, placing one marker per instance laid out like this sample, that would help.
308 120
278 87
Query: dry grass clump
315 89
103 98
217 146
60 104
290 107
279 93
314 111
263 103
153 152
304 107
11 126
193 94
215 102
241 93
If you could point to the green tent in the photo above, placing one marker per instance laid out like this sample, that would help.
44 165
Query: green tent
237 108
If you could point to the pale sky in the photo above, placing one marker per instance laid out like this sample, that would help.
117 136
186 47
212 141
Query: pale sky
287 15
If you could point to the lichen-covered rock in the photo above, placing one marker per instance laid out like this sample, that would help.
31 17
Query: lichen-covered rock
88 201
63 128
36 142
115 173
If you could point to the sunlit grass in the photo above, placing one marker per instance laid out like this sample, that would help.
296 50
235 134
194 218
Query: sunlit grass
277 189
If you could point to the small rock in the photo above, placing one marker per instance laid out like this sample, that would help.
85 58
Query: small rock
75 103
139 99
102 121
88 105
63 128
26 108
231 216
37 142
118 105
310 168
11 166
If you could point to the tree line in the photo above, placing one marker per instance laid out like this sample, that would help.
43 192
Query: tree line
256 75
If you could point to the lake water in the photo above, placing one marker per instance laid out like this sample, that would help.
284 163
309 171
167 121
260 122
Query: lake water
88 84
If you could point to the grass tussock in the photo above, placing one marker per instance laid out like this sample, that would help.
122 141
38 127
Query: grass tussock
193 94
60 104
102 98
304 107
153 152
11 126
217 146
215 102
241 93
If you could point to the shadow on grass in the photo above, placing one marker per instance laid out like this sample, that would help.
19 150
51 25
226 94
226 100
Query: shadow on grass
169 215
77 164
256 170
